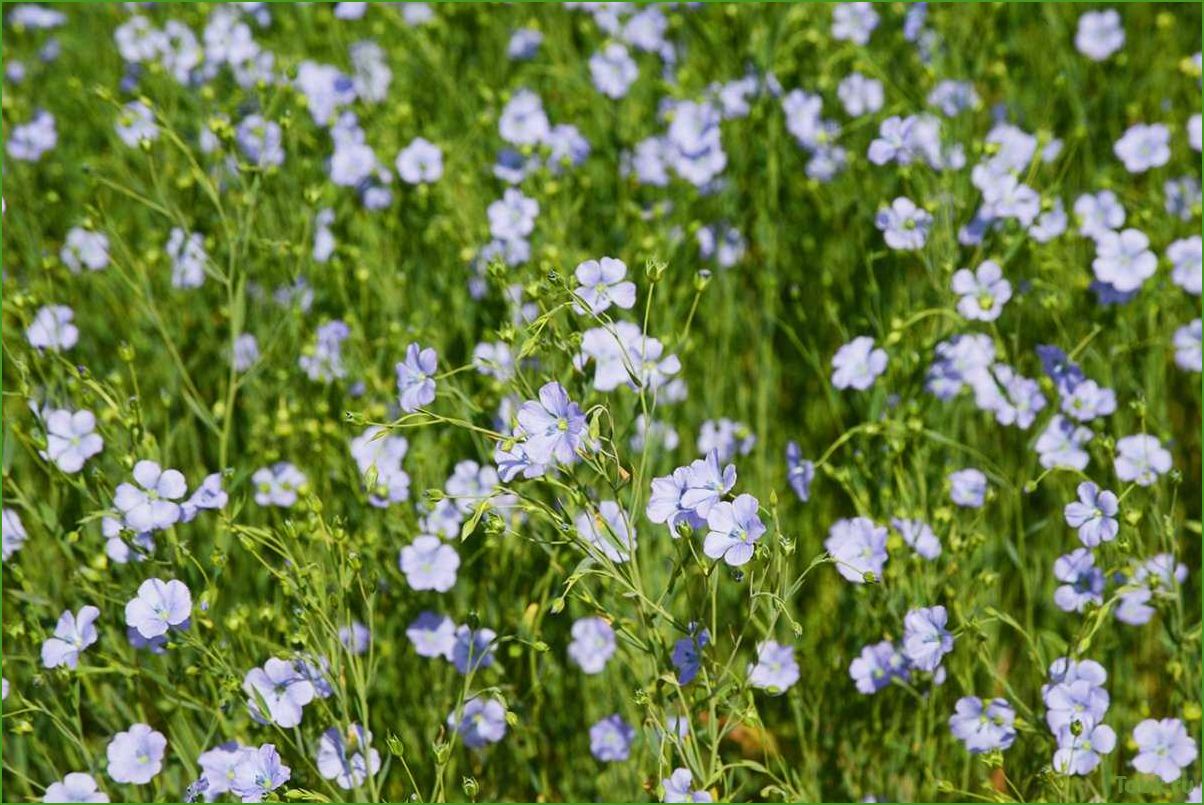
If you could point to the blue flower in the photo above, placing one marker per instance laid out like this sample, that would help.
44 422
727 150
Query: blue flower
735 530
159 606
280 687
687 654
429 564
1093 514
259 772
775 670
904 225
593 644
610 739
859 547
613 70
858 364
72 634
968 488
555 426
925 639
481 722
473 649
416 378
983 726
136 755
433 635
919 537
983 292
603 284
347 757
1083 582
678 787
878 664
707 484
800 472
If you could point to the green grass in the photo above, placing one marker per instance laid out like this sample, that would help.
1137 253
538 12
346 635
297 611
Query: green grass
755 342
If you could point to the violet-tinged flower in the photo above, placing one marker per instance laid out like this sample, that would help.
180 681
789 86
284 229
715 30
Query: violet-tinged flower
665 505
433 635
725 437
481 722
878 664
607 531
983 726
85 249
1083 582
800 472
188 257
707 484
429 564
1062 444
1068 702
159 606
512 217
1187 342
1123 260
610 739
1164 748
75 787
259 140
735 530
29 141
603 284
52 329
278 484
1089 401
279 687
854 22
859 95
150 505
136 124
259 772
687 654
1098 213
554 424
1185 258
1093 514
919 537
613 70
72 634
1143 147
968 488
678 787
1080 754
904 225
416 378
136 755
859 547
1099 34
347 757
1141 459
523 120
925 639
524 44
473 649
209 495
71 439
420 162
858 364
13 532
593 644
356 638
775 670
983 292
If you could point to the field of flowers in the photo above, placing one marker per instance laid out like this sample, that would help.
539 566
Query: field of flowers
601 402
